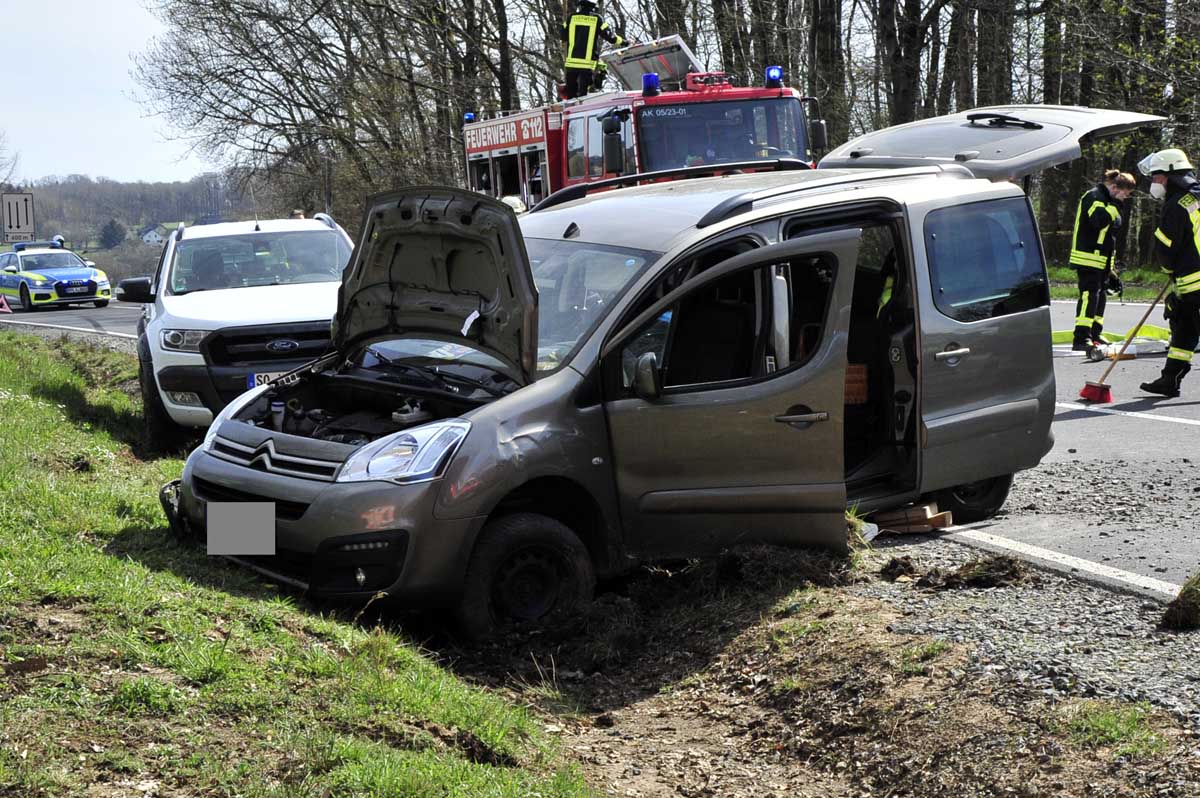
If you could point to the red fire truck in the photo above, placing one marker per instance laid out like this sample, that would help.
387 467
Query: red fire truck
681 117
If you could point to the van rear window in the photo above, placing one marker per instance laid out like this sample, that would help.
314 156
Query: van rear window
985 260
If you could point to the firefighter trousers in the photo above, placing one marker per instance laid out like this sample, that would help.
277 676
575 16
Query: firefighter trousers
1185 331
579 82
1089 308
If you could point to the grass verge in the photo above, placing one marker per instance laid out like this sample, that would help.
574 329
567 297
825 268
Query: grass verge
133 663
1183 613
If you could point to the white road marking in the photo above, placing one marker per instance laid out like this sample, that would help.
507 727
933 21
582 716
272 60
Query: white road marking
1066 560
66 327
1135 414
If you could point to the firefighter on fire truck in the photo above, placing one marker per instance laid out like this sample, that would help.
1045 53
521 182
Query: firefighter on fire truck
582 57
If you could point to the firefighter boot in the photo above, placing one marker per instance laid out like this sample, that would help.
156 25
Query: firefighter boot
1168 383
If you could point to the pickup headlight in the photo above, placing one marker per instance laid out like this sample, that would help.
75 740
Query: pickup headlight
414 455
182 340
230 409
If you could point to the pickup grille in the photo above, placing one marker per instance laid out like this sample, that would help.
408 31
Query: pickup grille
248 346
212 492
264 458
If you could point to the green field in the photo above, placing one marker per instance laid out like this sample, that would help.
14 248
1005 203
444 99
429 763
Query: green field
134 664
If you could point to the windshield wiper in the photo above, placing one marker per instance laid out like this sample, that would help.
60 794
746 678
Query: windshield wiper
193 291
433 373
1002 120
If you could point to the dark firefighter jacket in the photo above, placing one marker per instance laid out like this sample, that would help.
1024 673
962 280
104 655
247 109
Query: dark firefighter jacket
580 34
1178 237
1096 222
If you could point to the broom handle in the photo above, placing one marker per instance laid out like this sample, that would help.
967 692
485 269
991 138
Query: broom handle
1134 332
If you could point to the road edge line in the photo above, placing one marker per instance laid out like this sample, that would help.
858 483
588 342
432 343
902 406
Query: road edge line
1067 565
18 323
1109 411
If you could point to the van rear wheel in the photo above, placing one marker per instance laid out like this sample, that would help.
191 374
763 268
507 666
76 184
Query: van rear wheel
527 571
975 501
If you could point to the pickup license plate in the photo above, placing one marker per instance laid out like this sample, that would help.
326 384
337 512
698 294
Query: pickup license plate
77 289
255 380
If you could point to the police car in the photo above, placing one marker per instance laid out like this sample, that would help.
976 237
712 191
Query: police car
46 273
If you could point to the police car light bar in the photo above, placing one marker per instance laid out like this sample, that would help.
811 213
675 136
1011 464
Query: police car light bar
57 243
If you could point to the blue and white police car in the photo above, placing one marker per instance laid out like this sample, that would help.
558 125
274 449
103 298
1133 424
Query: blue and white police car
46 273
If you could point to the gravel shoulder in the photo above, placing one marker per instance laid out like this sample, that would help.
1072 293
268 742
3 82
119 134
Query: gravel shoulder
127 345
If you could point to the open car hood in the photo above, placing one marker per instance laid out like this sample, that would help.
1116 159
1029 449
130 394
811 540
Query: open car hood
1001 142
445 264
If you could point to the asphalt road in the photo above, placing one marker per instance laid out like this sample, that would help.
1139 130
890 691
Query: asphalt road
118 319
1116 492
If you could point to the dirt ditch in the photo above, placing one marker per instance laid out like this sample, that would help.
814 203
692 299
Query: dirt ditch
767 673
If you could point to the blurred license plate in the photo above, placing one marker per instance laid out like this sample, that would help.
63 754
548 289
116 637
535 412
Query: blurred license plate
255 380
77 289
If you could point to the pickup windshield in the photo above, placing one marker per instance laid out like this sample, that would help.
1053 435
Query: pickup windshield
697 134
254 259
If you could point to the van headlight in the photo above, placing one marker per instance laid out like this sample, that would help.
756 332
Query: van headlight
230 409
413 455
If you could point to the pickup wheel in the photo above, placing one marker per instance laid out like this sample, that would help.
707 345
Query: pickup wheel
527 571
160 432
975 501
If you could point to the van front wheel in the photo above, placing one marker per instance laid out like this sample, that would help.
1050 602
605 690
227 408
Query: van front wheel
527 571
975 501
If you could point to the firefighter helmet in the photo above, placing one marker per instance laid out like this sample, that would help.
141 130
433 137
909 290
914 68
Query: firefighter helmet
1165 161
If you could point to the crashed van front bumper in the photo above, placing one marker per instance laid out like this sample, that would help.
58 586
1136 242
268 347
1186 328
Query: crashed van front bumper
326 533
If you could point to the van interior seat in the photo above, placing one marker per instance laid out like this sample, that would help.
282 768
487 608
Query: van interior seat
713 340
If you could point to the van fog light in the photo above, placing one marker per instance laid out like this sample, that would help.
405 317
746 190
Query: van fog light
377 544
360 577
185 398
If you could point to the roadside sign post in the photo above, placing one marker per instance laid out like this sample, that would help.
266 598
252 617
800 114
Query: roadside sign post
16 212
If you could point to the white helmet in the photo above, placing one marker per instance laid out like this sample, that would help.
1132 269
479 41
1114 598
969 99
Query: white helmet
1165 161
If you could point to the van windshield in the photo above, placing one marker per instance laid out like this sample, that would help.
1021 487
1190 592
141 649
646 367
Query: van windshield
698 134
576 283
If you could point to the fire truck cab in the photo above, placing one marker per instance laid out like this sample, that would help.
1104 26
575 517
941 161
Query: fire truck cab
680 117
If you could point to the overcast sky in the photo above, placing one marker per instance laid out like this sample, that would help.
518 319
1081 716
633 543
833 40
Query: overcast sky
73 109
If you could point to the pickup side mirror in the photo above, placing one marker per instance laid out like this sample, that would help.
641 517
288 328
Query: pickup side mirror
614 146
10 269
818 137
135 289
647 379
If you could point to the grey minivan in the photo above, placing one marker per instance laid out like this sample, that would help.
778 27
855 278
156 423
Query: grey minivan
514 408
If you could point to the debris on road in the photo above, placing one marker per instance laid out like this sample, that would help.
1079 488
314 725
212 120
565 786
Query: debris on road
912 520
1183 613
995 571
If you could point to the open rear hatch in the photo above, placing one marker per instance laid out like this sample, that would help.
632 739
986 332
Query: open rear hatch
1003 142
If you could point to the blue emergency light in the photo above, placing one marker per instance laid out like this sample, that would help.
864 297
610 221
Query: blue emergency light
774 77
650 84
469 117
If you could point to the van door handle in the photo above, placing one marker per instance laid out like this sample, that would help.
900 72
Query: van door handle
804 418
952 354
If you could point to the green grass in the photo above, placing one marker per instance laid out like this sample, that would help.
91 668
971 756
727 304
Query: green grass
1141 285
1125 729
914 660
146 660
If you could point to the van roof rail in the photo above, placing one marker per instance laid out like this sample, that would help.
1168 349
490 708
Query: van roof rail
179 232
744 202
581 190
326 220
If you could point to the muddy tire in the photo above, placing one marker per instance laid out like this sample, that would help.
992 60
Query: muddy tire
160 433
527 571
975 501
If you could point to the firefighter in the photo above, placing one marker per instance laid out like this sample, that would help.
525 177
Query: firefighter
1097 220
1178 251
580 34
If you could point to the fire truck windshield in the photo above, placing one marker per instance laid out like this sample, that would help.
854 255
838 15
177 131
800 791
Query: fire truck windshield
700 133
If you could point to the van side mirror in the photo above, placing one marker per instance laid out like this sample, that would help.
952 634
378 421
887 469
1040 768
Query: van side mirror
135 289
647 379
818 136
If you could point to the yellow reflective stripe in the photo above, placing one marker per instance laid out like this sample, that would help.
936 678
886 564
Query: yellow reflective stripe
582 23
1175 353
885 296
1111 210
1081 258
1098 319
1083 320
1161 236
1188 279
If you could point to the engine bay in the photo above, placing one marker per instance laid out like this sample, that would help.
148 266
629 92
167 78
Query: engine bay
345 409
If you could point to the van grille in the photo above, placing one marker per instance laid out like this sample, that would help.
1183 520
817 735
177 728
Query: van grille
212 492
246 346
264 458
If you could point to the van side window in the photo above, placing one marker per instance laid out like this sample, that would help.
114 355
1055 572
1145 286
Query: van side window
725 331
985 260
575 157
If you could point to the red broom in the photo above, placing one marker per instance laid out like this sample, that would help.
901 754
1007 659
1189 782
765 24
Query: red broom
1101 393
